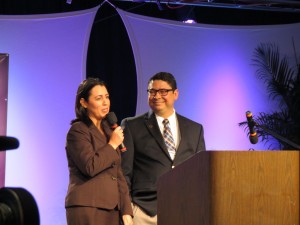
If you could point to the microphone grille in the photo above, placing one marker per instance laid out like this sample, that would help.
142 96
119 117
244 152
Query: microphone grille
111 118
253 139
248 114
7 143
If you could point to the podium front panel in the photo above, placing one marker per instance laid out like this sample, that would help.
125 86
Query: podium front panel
231 187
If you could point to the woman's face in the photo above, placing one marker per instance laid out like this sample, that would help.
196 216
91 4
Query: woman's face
98 103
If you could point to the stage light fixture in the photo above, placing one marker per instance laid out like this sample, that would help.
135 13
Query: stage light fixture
17 205
189 21
8 143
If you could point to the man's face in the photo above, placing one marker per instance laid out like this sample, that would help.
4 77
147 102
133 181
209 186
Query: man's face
162 105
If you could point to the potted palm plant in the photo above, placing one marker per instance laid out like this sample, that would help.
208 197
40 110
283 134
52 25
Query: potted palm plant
282 81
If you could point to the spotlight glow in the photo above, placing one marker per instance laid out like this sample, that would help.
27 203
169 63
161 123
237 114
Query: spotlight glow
189 21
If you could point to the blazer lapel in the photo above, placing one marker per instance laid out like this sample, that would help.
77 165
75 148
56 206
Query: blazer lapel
152 126
182 129
108 131
184 135
96 134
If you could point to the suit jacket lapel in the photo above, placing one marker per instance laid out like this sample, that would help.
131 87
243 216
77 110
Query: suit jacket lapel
182 128
96 133
108 131
152 126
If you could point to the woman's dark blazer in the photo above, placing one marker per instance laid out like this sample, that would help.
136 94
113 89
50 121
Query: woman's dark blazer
96 178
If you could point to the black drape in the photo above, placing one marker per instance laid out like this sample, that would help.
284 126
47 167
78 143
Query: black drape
110 58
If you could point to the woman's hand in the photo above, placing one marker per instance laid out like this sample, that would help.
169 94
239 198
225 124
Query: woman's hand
116 137
127 220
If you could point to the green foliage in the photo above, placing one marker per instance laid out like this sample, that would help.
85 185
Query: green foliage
283 86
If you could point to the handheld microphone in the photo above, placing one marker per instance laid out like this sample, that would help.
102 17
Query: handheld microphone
253 135
112 120
7 143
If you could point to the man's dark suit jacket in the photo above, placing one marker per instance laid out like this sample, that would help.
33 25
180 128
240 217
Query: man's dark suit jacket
147 157
96 178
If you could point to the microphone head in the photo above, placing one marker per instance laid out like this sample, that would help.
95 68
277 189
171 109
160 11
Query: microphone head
7 143
111 118
249 115
251 124
253 139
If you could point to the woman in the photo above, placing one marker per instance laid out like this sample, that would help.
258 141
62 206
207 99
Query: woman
97 192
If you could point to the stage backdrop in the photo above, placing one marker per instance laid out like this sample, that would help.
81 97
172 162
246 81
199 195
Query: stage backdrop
47 62
212 64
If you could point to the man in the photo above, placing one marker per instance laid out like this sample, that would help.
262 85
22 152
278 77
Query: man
154 148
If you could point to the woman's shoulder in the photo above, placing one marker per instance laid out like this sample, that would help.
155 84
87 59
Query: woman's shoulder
79 125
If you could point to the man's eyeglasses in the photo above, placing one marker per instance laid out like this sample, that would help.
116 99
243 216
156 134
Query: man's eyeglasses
162 92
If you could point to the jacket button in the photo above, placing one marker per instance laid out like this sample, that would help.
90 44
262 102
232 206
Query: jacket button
173 167
114 178
113 164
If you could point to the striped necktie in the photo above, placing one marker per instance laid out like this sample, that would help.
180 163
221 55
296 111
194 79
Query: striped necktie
167 134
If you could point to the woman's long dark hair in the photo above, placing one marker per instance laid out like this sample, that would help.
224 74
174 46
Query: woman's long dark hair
84 91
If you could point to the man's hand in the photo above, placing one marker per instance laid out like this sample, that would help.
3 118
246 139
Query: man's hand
127 220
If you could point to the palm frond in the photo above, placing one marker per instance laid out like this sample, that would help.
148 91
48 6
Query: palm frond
274 72
283 84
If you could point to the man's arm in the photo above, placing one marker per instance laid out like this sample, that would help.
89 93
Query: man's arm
127 156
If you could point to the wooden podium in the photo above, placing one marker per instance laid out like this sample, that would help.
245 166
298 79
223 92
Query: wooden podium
232 188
